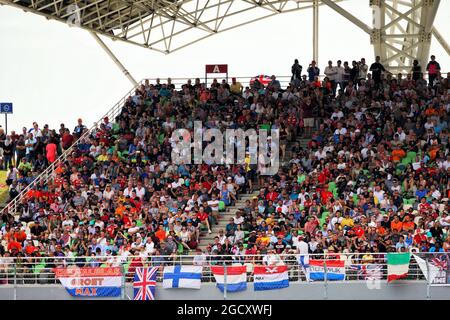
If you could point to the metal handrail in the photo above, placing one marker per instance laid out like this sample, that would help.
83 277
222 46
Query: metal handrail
245 80
26 271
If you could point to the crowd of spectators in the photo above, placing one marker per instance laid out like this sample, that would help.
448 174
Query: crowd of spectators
374 176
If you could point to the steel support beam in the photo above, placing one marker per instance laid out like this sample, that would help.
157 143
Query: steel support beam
114 58
441 40
402 32
316 31
348 16
428 15
377 35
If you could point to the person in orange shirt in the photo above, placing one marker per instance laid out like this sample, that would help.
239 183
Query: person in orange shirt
161 233
263 239
433 152
396 225
120 209
398 154
381 231
430 111
20 235
14 246
407 224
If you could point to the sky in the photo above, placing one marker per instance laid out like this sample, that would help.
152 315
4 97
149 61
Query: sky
56 74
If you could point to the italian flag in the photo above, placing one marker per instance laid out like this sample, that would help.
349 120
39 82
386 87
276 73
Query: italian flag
398 265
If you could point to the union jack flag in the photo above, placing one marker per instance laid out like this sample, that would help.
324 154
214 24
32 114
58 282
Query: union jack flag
440 262
144 283
264 79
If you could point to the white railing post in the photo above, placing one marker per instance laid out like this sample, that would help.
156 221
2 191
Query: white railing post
428 279
122 269
224 281
15 281
325 283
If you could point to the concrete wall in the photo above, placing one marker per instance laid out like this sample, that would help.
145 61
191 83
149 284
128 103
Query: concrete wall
415 290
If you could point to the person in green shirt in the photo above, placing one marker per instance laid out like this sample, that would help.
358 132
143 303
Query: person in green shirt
25 166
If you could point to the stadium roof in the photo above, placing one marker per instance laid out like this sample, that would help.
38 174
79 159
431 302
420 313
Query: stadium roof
401 30
161 25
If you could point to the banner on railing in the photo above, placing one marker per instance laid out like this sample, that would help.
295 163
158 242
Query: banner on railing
333 269
233 277
90 282
398 265
270 277
182 277
435 267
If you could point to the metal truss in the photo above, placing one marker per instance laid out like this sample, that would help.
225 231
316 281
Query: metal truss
401 30
164 26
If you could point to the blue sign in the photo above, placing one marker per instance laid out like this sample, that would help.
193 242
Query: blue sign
6 107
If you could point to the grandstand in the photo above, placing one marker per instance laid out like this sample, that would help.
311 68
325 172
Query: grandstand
364 172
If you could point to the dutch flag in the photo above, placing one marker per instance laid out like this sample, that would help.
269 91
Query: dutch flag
236 277
268 278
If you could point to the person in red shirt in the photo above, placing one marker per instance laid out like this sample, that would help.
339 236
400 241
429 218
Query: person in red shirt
419 236
203 217
111 228
67 139
358 230
14 247
161 233
272 194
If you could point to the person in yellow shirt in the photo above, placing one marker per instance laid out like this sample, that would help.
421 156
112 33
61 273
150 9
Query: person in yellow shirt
103 157
347 221
236 87
263 238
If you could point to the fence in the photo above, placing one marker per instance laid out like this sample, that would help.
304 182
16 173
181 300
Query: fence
39 270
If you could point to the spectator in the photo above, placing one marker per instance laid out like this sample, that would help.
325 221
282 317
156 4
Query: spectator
433 69
313 71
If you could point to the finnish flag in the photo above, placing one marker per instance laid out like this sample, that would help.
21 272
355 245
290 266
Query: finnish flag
182 277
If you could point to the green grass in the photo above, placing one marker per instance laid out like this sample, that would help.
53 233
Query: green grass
3 188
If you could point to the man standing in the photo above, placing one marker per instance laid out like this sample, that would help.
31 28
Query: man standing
30 144
79 129
296 70
416 71
363 68
313 71
433 69
331 73
377 68
340 75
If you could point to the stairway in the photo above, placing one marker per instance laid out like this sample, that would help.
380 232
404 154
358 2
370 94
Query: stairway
230 212
206 238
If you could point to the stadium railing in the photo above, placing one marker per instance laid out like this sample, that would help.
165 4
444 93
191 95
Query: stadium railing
49 172
40 270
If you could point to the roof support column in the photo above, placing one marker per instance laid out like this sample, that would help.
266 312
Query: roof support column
316 31
114 58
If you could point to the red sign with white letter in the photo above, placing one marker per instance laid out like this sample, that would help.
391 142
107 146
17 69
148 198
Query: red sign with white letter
216 68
